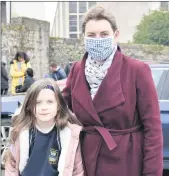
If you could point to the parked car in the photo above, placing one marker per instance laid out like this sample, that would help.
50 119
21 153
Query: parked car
160 73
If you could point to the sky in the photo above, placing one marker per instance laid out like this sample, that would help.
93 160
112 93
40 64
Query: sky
38 10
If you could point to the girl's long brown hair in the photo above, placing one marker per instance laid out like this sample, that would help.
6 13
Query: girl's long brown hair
26 118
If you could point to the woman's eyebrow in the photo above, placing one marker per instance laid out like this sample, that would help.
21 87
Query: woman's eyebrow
105 32
91 33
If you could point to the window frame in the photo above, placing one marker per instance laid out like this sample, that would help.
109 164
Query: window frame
78 14
166 77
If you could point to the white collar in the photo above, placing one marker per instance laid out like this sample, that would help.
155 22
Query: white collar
45 130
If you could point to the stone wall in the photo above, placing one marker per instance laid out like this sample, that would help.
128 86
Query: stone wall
61 50
154 53
31 36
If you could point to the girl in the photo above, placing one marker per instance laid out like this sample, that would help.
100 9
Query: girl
44 140
18 69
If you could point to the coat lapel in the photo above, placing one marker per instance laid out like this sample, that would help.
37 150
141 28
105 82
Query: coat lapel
81 92
65 137
110 94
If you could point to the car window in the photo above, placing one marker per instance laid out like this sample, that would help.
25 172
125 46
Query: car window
161 80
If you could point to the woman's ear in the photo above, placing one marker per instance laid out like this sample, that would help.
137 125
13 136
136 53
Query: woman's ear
117 33
116 36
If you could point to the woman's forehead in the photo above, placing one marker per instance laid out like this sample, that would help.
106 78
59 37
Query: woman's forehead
98 26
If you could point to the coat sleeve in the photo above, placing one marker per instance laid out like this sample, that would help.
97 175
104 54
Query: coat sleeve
4 73
14 155
25 86
62 74
28 65
78 165
14 73
66 92
149 112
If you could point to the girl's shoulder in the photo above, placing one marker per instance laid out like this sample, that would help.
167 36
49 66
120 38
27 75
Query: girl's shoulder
24 135
72 129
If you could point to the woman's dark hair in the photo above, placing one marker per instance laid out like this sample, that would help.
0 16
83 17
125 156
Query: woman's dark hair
20 54
99 13
29 72
53 64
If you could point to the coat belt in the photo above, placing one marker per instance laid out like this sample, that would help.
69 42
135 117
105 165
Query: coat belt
107 134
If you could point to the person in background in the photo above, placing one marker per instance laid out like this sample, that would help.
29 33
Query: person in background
18 70
57 73
4 79
29 80
68 66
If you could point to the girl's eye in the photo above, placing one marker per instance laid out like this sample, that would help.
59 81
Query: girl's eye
50 101
38 102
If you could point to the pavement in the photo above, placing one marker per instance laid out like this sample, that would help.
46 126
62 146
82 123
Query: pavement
2 173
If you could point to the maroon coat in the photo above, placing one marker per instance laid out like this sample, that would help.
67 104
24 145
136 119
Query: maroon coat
123 132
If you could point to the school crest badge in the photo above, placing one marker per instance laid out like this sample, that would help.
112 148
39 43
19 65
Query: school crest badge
53 156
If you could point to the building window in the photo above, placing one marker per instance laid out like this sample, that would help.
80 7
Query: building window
73 35
164 5
80 23
76 14
82 7
72 7
73 23
3 12
91 3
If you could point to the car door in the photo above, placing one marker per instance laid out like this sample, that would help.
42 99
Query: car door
161 80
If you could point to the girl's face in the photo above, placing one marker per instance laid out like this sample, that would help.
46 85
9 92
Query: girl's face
20 59
46 107
99 29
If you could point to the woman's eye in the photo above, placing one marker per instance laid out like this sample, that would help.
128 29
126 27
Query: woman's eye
38 102
91 35
104 35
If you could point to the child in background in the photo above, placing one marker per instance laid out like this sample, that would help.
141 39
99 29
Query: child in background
45 135
18 67
29 80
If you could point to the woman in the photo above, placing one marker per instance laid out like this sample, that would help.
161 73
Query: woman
18 70
114 98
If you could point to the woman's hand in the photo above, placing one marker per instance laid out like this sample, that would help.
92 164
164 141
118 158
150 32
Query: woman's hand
10 166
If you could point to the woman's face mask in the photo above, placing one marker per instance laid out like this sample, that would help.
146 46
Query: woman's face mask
99 39
99 48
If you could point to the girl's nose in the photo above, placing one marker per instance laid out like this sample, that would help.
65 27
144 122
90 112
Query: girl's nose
44 107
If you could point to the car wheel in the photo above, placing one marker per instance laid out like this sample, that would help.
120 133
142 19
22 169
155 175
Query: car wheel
5 132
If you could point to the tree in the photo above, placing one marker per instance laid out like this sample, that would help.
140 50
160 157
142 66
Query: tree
153 29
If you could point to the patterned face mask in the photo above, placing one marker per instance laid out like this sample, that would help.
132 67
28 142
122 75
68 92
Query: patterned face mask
99 48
